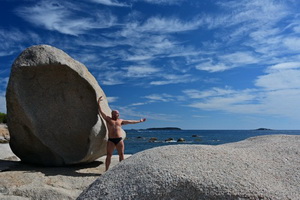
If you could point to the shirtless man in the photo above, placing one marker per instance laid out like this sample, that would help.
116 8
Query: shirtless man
114 126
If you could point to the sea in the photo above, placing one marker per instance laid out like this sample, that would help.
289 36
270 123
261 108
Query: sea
140 140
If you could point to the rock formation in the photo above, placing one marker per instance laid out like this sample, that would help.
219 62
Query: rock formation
265 167
52 109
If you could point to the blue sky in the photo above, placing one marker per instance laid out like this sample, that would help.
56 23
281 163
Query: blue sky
209 64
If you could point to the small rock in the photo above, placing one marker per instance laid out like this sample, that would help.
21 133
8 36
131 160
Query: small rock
181 140
169 140
152 139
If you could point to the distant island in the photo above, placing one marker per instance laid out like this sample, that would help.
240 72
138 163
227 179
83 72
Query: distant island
164 128
263 129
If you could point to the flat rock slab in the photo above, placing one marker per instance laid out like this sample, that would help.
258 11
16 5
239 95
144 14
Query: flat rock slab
25 181
265 167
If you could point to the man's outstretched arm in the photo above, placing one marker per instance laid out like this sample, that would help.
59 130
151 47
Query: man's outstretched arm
124 122
100 110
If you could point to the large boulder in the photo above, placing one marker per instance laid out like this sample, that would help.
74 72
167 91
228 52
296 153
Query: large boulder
52 109
265 167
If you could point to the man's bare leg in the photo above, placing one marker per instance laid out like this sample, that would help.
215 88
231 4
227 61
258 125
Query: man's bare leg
120 149
110 149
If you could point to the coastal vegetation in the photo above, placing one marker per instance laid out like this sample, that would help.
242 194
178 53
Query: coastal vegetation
3 118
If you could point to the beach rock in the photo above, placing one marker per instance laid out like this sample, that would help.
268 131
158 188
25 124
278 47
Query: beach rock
181 140
52 109
265 167
20 180
153 139
170 140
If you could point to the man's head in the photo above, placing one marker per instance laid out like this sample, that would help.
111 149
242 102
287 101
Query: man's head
115 114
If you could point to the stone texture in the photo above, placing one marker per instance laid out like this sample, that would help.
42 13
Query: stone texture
52 109
266 167
32 182
4 134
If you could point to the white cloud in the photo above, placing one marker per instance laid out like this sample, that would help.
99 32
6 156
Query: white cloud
139 57
163 2
297 29
280 76
168 25
210 67
159 97
236 102
114 76
112 99
111 78
111 3
292 43
281 103
227 61
138 104
173 79
12 40
256 12
284 66
141 71
54 15
196 94
164 97
239 58
277 94
6 53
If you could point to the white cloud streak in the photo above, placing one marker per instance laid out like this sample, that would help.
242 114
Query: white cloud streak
281 76
162 2
112 99
55 16
111 3
277 94
168 25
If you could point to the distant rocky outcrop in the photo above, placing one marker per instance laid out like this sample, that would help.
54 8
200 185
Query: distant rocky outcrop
52 109
163 128
263 129
265 167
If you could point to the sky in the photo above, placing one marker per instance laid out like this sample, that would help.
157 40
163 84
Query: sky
209 64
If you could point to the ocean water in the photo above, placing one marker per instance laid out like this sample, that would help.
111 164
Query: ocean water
139 140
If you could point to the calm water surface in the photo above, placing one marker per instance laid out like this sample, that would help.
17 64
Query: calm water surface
139 140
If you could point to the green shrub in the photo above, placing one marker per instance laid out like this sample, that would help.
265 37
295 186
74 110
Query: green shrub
3 118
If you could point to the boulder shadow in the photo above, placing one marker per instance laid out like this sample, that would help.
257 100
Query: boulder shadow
76 170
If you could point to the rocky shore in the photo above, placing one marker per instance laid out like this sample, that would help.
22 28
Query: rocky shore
265 167
19 181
